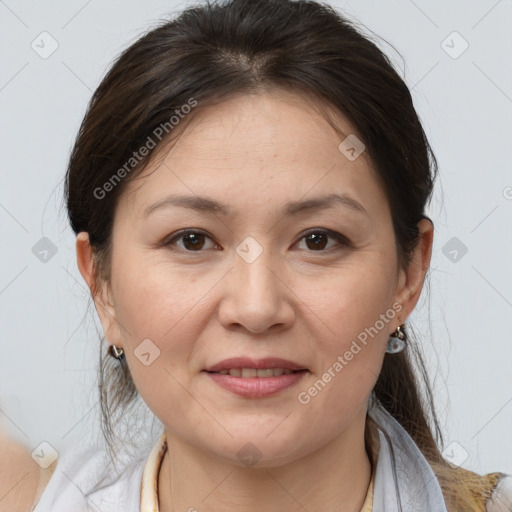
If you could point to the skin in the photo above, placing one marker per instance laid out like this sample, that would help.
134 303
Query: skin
295 301
21 479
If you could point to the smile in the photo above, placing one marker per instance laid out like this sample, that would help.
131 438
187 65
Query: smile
245 373
251 385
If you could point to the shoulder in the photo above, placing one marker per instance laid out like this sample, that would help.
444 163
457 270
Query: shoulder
21 479
24 483
489 492
501 498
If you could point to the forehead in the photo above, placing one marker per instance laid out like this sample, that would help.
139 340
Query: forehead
257 147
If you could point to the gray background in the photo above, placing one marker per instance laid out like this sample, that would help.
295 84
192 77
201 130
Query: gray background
49 340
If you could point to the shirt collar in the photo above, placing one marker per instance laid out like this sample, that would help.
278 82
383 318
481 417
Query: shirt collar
149 485
404 480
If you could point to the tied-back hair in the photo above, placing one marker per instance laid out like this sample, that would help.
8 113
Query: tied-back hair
216 50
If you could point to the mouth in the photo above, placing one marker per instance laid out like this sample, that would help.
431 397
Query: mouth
256 383
251 373
247 367
256 378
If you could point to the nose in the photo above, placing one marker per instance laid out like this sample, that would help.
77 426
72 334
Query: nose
256 296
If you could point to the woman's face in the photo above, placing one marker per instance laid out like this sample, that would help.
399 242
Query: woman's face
259 277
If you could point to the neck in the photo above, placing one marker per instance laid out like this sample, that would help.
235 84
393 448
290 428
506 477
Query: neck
334 478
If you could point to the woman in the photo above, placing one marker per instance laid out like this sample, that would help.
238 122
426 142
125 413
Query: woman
248 190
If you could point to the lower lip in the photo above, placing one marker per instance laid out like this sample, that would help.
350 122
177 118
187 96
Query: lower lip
256 387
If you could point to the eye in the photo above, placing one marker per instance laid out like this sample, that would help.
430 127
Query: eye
193 240
317 239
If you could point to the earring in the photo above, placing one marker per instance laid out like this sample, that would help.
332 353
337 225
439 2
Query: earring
397 341
117 353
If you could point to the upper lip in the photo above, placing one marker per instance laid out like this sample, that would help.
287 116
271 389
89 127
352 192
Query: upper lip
247 362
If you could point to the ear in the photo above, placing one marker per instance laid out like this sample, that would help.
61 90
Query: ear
411 279
102 298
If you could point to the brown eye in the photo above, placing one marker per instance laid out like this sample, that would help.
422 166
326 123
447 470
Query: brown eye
318 240
191 241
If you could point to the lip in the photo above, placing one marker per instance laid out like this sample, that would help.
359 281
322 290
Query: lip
248 362
256 387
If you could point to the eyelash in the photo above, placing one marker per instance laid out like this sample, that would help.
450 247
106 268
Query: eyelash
342 240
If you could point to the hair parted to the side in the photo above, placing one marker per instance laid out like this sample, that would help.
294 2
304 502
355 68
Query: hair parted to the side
212 51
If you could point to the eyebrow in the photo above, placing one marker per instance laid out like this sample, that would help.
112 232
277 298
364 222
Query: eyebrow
205 204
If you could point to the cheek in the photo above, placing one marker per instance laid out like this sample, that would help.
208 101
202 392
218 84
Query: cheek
353 301
350 356
166 307
153 300
354 318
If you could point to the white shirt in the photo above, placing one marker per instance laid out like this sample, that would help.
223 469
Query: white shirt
402 482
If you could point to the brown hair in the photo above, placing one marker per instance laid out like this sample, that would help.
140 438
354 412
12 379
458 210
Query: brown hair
218 49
